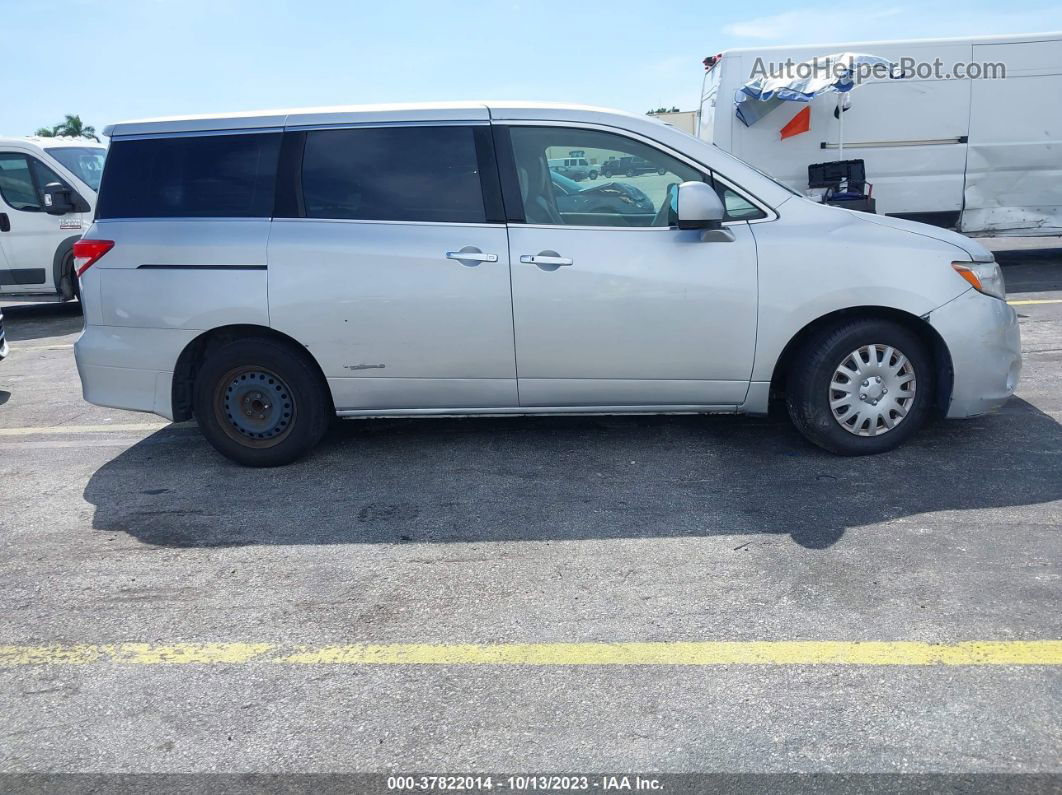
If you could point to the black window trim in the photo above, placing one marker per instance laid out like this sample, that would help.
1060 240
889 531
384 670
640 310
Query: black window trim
503 146
289 203
287 197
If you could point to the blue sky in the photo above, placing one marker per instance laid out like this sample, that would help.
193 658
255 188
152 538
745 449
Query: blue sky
135 58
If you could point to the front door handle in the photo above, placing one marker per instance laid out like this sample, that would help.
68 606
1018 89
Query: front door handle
471 254
546 259
5 223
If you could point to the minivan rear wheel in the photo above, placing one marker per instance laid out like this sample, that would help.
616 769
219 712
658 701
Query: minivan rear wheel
260 402
861 387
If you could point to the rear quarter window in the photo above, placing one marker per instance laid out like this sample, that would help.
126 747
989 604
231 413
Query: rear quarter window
199 176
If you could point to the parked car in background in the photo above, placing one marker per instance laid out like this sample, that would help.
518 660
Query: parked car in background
577 168
607 199
629 167
284 267
47 197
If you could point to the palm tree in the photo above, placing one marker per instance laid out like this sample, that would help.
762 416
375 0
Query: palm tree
76 129
72 126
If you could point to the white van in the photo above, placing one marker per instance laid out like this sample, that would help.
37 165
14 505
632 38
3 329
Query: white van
577 168
978 155
47 197
266 272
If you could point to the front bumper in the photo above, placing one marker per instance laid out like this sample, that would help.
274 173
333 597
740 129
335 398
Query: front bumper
985 346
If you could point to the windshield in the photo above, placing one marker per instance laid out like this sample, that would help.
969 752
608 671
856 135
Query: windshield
86 162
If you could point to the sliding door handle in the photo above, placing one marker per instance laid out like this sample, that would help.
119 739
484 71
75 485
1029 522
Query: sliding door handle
549 259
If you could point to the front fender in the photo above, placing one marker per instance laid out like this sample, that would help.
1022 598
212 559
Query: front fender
817 260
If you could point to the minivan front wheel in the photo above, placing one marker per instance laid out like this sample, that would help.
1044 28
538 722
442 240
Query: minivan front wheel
861 387
260 402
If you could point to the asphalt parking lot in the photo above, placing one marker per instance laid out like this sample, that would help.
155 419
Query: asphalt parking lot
552 532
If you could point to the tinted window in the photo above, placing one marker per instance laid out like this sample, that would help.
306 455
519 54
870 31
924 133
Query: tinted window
393 174
211 176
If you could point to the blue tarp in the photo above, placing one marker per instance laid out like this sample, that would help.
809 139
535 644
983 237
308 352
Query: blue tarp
804 82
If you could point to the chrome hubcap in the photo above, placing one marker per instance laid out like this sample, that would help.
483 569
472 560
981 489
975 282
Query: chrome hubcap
872 390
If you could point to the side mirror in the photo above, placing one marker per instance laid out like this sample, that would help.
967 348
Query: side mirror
696 205
60 200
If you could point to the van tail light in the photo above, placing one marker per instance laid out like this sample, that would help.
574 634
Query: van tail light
86 252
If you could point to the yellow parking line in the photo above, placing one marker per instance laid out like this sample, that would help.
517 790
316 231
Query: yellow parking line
1036 301
909 653
52 430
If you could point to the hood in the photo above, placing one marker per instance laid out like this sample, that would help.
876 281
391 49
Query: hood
977 252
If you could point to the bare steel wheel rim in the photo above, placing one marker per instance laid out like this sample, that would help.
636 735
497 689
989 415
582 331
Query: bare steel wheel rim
872 390
254 406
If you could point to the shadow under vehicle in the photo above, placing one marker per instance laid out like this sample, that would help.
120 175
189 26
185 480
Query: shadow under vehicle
569 478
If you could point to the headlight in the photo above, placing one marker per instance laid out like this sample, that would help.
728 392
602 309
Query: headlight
984 276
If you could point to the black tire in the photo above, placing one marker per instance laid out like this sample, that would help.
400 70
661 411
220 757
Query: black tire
810 387
593 175
661 171
630 173
293 401
69 287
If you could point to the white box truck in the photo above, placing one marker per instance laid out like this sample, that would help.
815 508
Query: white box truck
981 155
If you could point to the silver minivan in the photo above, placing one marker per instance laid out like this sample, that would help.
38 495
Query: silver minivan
265 272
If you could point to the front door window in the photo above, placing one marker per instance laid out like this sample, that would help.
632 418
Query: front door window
630 188
16 183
